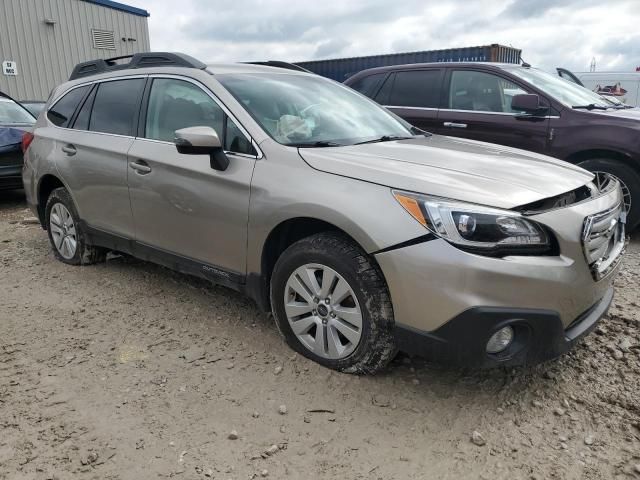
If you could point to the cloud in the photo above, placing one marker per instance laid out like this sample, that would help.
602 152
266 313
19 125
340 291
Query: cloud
330 48
566 33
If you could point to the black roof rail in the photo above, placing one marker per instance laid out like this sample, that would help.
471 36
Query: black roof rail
281 64
138 60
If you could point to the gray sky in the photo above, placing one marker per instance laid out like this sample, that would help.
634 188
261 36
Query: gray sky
566 33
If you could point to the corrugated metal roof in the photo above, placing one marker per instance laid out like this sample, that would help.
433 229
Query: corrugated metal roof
120 6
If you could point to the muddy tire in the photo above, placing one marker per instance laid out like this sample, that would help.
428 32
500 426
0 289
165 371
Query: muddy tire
335 297
66 236
630 181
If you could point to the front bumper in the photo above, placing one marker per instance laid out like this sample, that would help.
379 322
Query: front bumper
539 336
454 299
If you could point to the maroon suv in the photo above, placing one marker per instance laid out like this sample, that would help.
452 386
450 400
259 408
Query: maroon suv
517 106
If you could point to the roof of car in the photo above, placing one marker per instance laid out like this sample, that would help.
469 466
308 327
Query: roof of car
417 66
221 68
212 69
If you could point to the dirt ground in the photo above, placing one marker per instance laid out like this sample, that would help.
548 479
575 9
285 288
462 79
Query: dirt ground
125 370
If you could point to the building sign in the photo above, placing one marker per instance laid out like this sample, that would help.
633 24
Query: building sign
10 68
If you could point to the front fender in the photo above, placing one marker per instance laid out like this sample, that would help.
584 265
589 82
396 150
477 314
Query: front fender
367 212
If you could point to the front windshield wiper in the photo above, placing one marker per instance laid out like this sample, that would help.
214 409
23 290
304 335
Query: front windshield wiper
384 138
319 143
591 106
419 131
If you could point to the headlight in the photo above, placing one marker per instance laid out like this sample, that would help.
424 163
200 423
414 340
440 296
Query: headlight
484 230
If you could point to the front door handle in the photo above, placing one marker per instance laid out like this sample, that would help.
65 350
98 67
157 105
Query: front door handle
455 125
69 149
141 167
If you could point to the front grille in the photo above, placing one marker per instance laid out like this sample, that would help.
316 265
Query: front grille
603 240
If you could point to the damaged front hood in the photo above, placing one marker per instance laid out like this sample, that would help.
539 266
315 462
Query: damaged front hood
467 170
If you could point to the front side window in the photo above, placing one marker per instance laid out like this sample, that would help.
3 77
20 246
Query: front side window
481 92
416 88
176 104
60 114
115 106
307 110
569 94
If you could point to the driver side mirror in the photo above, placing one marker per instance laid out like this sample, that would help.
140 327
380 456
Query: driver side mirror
202 141
529 103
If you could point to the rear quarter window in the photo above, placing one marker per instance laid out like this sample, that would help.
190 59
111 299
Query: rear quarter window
62 112
368 85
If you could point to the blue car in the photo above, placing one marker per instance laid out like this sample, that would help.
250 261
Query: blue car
15 121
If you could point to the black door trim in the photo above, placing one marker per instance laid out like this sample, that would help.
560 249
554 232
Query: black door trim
179 263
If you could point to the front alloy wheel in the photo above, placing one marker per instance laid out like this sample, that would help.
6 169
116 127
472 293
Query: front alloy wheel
331 303
323 311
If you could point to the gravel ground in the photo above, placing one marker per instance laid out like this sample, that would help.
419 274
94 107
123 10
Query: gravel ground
125 370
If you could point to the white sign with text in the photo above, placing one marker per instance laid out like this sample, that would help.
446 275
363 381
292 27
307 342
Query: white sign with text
9 67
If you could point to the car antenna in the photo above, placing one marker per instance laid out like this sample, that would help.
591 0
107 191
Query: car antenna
524 64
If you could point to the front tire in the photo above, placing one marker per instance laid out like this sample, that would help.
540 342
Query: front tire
332 305
65 231
630 182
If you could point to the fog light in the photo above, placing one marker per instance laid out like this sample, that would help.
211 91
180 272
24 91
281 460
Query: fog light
500 340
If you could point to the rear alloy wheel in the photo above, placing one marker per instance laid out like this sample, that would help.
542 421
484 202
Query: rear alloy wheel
332 305
65 232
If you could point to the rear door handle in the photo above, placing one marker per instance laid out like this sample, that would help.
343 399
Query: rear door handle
69 149
141 167
455 125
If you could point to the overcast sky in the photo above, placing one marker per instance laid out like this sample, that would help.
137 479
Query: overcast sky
566 33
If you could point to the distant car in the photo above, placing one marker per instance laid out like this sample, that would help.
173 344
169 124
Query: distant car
15 120
516 106
34 106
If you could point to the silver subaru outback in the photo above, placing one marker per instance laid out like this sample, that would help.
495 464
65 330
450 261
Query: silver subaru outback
362 234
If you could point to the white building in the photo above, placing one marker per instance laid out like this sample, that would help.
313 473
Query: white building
42 40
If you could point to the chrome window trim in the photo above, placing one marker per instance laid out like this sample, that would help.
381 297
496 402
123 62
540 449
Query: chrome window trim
227 152
464 111
224 108
411 108
92 82
218 102
494 113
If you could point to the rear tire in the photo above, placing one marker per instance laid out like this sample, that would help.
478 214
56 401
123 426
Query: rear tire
65 231
628 177
353 304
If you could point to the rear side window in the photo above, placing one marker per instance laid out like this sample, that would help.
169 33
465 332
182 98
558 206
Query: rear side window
368 85
60 114
115 106
416 88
